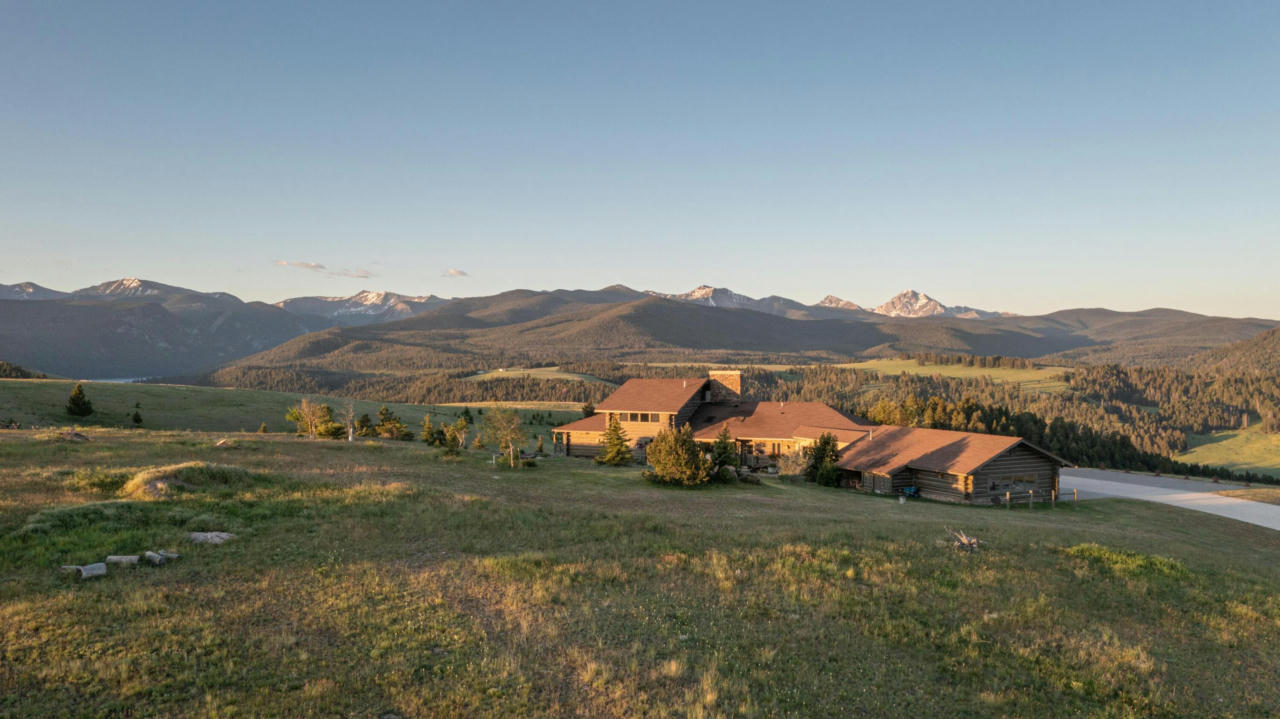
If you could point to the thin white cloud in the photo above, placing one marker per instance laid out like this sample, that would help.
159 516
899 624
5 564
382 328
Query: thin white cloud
358 273
453 272
313 266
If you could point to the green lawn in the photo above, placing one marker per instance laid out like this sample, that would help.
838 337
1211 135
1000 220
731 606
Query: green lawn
380 578
1248 449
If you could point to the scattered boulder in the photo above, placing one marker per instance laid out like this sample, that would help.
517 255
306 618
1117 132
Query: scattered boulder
88 571
123 559
211 537
155 558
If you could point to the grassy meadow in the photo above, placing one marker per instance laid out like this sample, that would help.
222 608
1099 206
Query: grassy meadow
1041 379
42 403
1244 449
534 372
381 579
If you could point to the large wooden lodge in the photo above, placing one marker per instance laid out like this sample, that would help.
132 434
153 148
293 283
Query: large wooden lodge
940 464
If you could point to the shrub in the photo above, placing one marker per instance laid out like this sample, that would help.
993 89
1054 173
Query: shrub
792 464
676 459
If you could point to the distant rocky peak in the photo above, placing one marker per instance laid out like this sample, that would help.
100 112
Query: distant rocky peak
911 303
837 303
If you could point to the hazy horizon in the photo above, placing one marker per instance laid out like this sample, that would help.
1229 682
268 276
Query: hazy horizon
999 155
804 298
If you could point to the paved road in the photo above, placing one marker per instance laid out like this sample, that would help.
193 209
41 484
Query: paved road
1186 493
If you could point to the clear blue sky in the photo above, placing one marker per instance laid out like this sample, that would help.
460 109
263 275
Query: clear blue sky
1019 156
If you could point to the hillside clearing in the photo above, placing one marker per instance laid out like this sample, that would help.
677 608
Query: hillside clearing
376 578
1040 379
1244 449
535 372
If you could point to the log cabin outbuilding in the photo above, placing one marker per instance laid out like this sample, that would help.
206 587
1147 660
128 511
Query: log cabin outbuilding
950 466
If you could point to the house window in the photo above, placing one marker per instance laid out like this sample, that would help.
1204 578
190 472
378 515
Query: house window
1015 484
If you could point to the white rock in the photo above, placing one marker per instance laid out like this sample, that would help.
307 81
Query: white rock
211 537
123 559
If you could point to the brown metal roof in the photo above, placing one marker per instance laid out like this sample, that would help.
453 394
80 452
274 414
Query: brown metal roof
652 395
594 423
768 420
843 435
889 449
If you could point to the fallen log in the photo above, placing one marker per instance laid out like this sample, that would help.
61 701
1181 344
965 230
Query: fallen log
960 540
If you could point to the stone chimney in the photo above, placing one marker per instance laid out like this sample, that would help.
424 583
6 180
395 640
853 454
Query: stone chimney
726 385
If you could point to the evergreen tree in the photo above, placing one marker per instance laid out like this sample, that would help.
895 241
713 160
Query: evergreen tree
364 426
616 448
588 409
455 437
137 418
262 428
821 464
724 452
540 450
466 415
78 405
676 459
428 431
390 427
326 427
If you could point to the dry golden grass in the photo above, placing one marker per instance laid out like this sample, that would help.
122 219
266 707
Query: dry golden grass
375 578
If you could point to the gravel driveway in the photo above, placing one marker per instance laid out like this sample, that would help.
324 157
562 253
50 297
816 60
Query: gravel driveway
1185 493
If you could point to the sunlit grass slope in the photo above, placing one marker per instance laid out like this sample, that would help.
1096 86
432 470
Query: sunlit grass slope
379 578
1246 449
169 407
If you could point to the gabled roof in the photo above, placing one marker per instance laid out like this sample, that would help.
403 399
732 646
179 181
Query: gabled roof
652 395
844 436
594 423
768 420
889 449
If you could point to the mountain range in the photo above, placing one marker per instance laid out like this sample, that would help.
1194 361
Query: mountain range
135 328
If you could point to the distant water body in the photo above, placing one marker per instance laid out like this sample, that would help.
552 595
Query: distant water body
119 380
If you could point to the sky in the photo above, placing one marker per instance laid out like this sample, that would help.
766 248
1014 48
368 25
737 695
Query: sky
1020 156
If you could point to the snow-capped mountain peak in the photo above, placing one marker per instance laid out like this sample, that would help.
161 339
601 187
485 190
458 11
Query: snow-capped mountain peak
28 291
911 303
839 304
